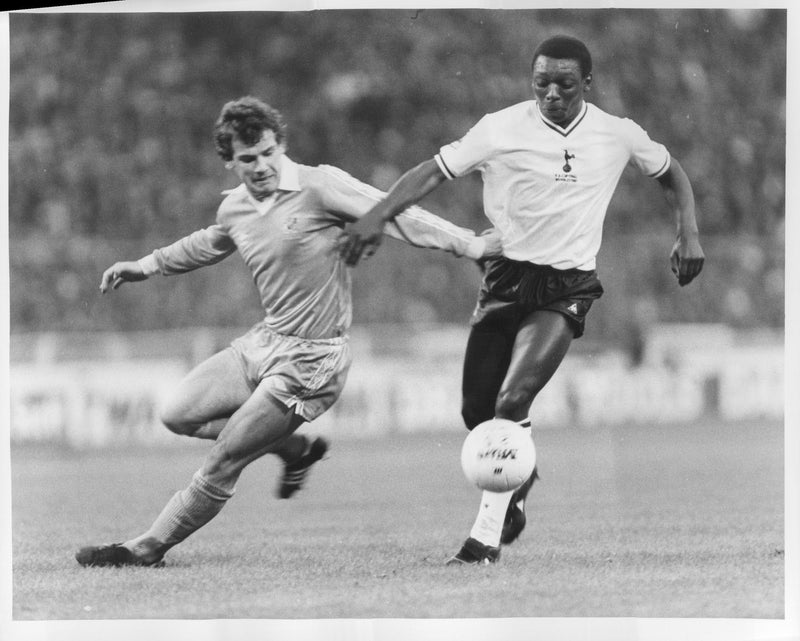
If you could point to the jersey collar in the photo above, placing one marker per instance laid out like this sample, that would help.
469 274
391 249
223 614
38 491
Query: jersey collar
290 175
564 131
289 181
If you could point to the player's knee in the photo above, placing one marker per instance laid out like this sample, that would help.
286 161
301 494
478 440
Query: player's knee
514 403
173 420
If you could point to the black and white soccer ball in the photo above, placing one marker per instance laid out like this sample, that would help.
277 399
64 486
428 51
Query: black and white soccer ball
498 455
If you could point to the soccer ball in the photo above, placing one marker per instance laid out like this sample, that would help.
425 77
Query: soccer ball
498 455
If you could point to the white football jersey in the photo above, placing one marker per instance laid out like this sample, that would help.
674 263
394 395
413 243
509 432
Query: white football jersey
547 188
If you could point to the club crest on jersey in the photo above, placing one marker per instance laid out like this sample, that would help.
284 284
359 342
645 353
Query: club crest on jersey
567 157
566 175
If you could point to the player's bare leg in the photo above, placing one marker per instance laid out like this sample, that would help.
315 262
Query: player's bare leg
258 427
209 395
486 361
541 343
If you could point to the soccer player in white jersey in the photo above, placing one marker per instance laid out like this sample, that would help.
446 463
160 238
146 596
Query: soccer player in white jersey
286 221
549 168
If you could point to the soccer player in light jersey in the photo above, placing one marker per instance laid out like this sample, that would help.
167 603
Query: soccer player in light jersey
549 167
286 221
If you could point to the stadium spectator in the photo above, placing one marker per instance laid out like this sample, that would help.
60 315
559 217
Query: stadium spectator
550 167
286 220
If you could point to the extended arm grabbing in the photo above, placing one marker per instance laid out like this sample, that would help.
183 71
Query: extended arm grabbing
365 235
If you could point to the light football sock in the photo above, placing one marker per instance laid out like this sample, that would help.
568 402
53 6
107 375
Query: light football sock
187 511
489 523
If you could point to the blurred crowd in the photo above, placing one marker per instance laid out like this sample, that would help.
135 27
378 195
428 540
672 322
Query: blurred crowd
111 152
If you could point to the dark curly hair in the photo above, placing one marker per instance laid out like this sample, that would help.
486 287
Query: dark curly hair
565 47
247 119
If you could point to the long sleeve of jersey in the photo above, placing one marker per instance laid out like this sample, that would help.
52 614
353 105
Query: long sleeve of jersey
199 249
352 199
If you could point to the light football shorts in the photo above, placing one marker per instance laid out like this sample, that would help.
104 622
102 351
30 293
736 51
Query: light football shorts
303 374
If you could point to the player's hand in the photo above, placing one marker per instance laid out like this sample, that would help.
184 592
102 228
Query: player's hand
494 243
362 238
122 272
687 258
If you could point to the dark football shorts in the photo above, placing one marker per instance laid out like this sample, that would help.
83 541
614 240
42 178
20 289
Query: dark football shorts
511 290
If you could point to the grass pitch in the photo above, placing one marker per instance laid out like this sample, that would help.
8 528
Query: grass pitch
663 521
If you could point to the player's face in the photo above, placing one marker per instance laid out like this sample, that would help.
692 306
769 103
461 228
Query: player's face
559 86
258 166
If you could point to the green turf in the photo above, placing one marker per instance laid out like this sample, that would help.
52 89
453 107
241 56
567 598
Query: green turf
666 521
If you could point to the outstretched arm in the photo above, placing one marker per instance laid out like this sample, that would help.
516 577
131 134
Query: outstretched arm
365 235
200 248
687 255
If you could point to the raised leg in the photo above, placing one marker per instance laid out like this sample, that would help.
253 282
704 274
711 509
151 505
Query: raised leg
541 343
